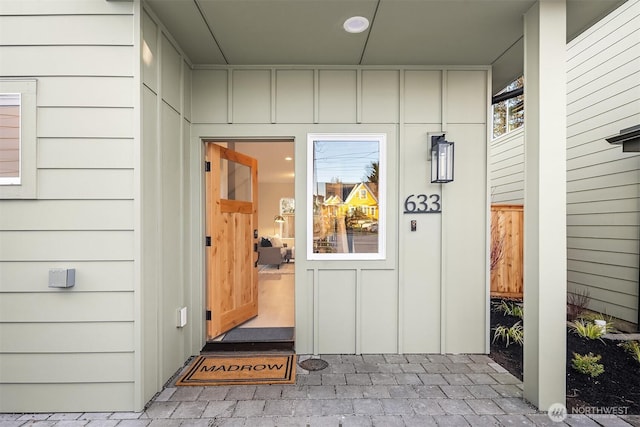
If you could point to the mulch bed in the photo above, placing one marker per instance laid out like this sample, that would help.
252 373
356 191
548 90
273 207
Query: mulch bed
618 386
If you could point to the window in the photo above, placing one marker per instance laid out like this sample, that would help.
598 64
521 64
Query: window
17 139
346 192
509 115
9 138
288 212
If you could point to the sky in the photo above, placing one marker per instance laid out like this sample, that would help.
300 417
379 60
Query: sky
346 161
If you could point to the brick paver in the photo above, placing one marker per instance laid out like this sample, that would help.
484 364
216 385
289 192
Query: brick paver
354 390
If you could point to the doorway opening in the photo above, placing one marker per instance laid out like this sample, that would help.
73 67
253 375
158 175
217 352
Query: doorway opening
250 217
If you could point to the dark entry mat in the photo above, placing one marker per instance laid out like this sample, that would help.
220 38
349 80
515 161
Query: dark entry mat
258 335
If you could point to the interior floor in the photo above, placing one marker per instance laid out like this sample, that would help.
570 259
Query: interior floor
275 298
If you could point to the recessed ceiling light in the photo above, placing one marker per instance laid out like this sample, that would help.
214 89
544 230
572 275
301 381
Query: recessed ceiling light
288 158
356 24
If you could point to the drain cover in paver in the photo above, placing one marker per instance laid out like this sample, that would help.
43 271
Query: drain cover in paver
313 364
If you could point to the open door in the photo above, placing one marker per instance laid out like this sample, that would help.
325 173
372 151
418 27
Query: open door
231 218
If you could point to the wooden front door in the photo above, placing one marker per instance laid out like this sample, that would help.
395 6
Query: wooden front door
231 218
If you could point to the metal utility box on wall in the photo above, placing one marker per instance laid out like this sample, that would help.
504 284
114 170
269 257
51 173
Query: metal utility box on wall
62 277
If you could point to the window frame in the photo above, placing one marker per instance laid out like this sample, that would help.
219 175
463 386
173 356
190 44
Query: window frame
26 188
381 140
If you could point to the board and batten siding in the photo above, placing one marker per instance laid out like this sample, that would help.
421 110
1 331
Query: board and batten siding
71 349
603 183
166 109
425 296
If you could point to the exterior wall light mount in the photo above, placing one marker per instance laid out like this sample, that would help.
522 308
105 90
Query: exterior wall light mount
629 138
441 159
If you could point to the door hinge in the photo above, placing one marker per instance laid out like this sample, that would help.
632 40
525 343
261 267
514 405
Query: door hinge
207 241
207 166
208 314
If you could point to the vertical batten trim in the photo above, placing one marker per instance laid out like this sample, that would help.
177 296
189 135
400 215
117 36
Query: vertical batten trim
359 95
316 96
316 312
230 95
487 278
273 95
401 236
139 379
443 223
358 314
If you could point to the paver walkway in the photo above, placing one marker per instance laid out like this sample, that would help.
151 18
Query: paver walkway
367 390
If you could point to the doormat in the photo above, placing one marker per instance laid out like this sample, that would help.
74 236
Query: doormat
259 334
219 369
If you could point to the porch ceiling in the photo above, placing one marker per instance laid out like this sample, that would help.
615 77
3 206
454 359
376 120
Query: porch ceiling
402 32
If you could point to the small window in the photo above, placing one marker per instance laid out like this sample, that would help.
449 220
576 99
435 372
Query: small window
17 139
509 115
9 138
346 192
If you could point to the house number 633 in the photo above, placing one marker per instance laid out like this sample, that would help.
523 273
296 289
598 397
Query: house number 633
422 203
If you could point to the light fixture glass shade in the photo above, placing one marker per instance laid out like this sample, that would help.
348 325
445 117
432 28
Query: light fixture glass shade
279 219
356 24
441 159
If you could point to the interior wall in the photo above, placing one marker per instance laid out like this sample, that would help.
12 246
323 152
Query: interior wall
269 195
430 294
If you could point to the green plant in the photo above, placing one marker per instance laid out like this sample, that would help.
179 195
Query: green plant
593 316
587 364
632 347
513 334
586 329
509 308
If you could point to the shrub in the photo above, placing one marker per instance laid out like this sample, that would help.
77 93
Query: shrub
577 303
632 347
509 308
587 364
513 334
592 317
586 329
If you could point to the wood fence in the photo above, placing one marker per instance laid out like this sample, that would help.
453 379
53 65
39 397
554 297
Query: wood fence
506 251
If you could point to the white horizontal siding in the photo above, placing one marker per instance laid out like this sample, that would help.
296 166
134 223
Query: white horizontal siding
66 7
85 153
66 30
67 215
67 397
108 61
67 306
85 183
75 337
603 183
71 349
66 245
506 168
91 276
85 122
67 367
85 91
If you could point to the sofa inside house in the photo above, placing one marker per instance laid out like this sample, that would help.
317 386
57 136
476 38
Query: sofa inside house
273 251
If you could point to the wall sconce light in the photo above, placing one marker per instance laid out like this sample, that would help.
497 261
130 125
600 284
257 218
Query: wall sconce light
278 219
441 159
629 138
